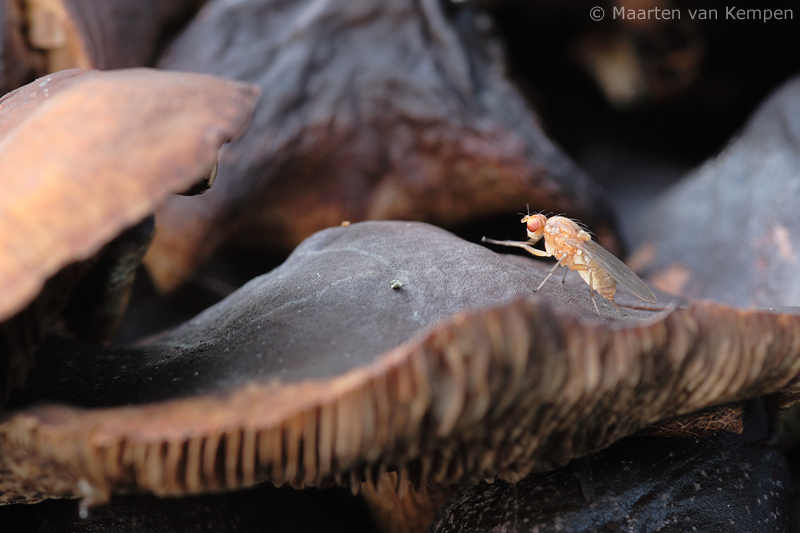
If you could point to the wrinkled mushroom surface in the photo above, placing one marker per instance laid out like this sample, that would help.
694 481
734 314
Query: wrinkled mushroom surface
640 484
730 231
371 110
299 377
93 154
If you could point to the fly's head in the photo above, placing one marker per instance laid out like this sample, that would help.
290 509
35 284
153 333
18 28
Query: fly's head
535 225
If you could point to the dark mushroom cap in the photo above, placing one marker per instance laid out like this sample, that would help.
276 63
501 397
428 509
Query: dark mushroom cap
321 371
639 484
730 231
371 110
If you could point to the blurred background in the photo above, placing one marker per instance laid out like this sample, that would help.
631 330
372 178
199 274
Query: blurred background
630 105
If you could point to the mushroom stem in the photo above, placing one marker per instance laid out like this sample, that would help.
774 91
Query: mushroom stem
412 512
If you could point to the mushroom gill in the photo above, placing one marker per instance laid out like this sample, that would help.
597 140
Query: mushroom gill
320 372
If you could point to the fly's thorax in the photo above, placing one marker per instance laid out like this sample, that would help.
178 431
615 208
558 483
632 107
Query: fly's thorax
579 258
560 233
565 228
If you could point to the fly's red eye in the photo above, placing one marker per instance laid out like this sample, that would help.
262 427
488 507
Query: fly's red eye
534 225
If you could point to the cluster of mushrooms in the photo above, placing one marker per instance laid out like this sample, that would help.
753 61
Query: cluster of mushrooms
349 148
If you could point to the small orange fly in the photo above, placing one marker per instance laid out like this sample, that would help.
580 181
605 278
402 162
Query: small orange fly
574 248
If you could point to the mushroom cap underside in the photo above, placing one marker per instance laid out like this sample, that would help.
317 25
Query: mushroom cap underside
321 371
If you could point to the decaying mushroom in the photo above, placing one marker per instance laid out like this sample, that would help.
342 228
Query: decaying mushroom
743 246
45 36
386 356
93 154
322 372
729 230
720 483
371 110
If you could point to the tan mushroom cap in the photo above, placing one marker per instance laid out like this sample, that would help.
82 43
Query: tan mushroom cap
88 153
519 388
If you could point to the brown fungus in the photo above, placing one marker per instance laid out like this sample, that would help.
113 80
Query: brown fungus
319 372
89 297
93 154
45 36
378 109
730 231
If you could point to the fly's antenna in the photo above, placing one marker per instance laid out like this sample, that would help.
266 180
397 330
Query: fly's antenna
528 208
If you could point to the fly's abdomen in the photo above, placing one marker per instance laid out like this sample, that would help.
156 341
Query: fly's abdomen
602 282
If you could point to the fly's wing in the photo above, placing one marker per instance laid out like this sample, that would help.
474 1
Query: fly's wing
616 268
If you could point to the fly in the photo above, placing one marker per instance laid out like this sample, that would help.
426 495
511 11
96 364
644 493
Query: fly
574 248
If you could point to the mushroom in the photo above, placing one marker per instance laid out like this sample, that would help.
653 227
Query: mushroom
93 154
371 110
320 372
720 483
46 36
730 230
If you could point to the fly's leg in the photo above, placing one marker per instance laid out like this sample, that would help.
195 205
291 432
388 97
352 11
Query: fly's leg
591 289
591 292
519 244
558 264
565 275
